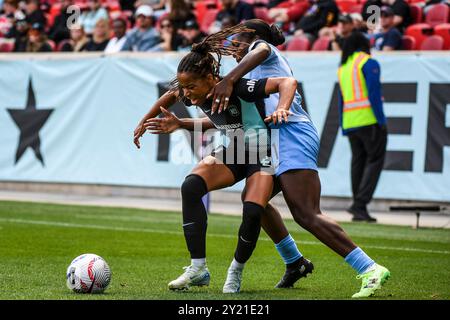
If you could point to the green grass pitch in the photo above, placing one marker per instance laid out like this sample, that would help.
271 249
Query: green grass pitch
146 249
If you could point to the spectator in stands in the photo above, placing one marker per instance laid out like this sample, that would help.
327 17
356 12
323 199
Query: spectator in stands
191 34
169 36
116 43
358 22
11 13
240 10
288 11
89 18
37 39
34 13
78 39
344 29
430 3
128 5
228 21
21 35
160 7
402 13
180 12
390 38
143 37
323 13
59 30
100 37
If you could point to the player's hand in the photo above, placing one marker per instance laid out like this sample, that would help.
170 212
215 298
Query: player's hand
138 132
220 95
278 116
168 124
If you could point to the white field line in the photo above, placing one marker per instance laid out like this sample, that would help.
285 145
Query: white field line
100 227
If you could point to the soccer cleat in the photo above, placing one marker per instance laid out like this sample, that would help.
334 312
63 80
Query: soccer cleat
372 280
233 282
192 276
291 275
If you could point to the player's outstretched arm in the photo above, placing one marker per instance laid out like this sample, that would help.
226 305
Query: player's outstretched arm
286 87
166 100
169 123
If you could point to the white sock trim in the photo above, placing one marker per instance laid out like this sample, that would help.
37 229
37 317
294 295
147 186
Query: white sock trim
198 262
237 265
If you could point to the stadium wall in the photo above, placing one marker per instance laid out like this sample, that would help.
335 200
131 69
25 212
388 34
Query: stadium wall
68 120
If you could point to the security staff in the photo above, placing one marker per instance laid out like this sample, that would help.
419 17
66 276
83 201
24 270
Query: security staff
362 120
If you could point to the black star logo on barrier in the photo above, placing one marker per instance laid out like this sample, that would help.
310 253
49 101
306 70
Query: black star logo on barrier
30 121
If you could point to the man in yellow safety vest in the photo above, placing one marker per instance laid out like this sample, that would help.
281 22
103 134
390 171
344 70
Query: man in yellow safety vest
362 119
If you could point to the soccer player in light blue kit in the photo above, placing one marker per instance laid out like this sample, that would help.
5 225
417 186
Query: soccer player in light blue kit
296 150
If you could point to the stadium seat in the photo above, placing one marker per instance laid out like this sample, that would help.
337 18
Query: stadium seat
432 43
408 43
299 43
52 44
263 14
208 19
356 8
419 32
416 13
438 13
345 5
6 47
443 30
321 44
61 45
282 47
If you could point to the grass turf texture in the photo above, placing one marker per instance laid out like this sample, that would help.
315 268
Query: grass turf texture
146 249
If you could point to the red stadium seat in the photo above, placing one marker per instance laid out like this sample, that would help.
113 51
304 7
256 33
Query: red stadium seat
432 43
443 30
321 44
208 19
408 43
6 47
420 32
298 43
439 13
281 47
262 13
345 5
356 8
416 13
52 44
61 44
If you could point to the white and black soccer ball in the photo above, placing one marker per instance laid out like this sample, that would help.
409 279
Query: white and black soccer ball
88 273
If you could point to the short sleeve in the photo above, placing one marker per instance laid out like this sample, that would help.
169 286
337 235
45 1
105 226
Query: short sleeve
251 90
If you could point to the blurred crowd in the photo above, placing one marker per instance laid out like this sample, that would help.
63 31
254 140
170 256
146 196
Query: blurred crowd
174 25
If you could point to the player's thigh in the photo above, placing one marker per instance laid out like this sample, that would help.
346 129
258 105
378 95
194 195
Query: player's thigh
301 190
216 174
258 188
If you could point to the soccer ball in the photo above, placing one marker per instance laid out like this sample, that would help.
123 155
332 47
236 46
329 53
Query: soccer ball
88 273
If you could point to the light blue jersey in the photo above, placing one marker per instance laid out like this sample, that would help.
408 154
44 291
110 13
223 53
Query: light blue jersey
295 144
277 66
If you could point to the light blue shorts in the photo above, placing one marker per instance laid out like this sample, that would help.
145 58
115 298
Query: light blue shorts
294 145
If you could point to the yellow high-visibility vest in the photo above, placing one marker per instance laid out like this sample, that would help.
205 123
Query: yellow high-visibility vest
357 111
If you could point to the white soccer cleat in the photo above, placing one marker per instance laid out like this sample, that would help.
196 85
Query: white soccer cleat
233 282
192 276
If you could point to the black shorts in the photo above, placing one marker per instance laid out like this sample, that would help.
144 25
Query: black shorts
245 165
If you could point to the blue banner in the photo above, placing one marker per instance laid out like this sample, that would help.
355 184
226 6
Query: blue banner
71 119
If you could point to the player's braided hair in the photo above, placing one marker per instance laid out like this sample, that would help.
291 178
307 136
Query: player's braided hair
200 60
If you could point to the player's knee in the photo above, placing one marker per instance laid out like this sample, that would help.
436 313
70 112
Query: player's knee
193 187
252 213
305 217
